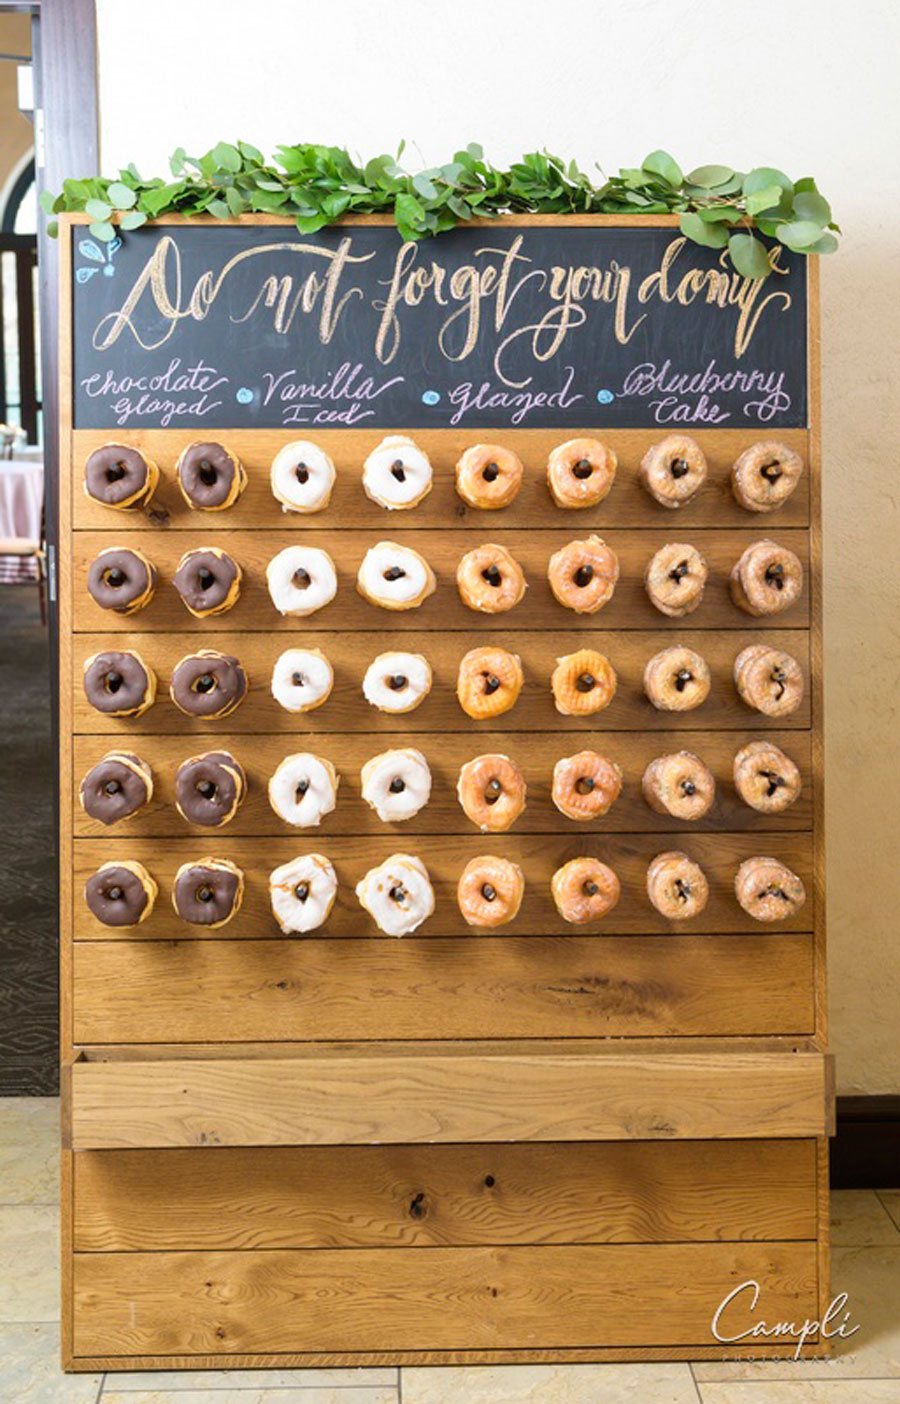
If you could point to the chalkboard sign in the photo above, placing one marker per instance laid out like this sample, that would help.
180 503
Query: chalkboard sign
531 327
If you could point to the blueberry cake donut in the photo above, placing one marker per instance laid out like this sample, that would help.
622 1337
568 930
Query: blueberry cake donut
208 893
677 679
765 778
395 577
488 476
208 581
490 891
397 474
121 477
303 790
674 470
301 580
117 787
397 784
583 575
585 786
490 580
488 682
584 889
302 893
302 679
580 473
121 894
677 886
121 579
208 684
768 680
582 683
767 579
767 890
119 684
302 477
765 475
210 478
679 785
491 790
397 682
675 579
210 789
397 894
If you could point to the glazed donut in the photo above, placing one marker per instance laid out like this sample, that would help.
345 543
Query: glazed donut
677 679
768 680
488 579
302 893
208 893
208 684
397 894
488 682
491 790
210 789
118 476
765 475
303 789
677 886
302 477
680 785
301 579
766 579
674 470
119 684
767 890
584 889
210 478
675 579
583 682
585 786
490 891
121 579
116 787
488 476
580 472
121 894
208 581
397 682
394 577
302 679
583 575
765 778
397 474
397 784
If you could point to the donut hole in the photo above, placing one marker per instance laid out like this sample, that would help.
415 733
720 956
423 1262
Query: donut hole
490 472
771 890
678 467
398 893
779 678
301 473
301 891
775 575
397 681
112 787
398 471
298 680
771 471
301 579
112 681
116 472
584 785
583 576
488 891
492 791
682 889
204 893
682 678
206 789
773 782
582 469
589 887
114 577
397 785
585 682
207 472
491 683
205 683
492 575
678 572
115 893
688 787
300 790
205 578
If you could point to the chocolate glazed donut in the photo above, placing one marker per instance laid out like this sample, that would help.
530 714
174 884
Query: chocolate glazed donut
120 894
209 476
209 788
208 684
208 893
119 684
121 580
208 581
116 787
119 476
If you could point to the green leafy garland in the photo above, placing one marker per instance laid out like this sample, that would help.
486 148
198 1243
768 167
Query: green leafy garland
315 185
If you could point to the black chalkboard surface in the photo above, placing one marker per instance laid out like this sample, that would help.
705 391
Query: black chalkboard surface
181 326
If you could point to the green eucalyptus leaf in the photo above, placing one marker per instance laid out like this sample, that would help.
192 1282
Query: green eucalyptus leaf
408 209
235 201
48 200
132 219
219 208
826 245
810 205
98 209
799 234
122 197
768 198
708 177
660 163
712 214
749 256
226 156
712 236
764 176
103 230
53 229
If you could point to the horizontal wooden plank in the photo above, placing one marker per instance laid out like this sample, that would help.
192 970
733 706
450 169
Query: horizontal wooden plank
420 1196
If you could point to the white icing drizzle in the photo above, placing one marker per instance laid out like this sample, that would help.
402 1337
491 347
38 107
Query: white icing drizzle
412 901
303 910
408 589
303 789
397 473
414 667
397 784
301 579
301 679
310 491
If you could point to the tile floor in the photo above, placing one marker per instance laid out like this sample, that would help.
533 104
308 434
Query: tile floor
865 1371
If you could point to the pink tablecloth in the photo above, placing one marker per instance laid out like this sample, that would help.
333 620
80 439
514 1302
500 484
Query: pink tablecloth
21 496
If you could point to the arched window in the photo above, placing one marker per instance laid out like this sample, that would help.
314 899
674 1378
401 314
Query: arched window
20 211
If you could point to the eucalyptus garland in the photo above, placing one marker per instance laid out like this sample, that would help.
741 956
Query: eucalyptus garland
314 185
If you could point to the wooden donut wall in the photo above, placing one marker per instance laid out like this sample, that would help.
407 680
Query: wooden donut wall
542 1142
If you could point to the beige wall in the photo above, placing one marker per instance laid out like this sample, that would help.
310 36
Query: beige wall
16 133
810 87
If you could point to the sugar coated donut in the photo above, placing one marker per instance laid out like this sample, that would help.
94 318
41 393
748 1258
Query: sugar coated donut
397 894
491 790
768 890
674 470
121 579
677 679
585 786
208 893
768 680
119 684
489 579
118 476
583 575
301 579
302 679
397 682
208 581
303 789
210 789
118 786
765 778
488 682
302 893
677 886
584 889
490 890
675 579
767 579
210 478
679 784
765 475
397 784
208 684
395 577
580 472
583 682
397 474
488 476
302 477
121 894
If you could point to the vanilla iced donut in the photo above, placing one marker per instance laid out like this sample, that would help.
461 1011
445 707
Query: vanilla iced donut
302 477
397 474
303 789
302 679
397 784
397 682
394 577
302 892
397 894
301 579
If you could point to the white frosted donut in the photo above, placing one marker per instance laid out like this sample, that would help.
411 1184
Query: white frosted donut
303 789
397 784
302 679
301 579
397 894
397 474
397 682
302 892
394 577
302 477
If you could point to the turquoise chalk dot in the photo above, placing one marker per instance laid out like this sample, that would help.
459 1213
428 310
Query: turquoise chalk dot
430 397
605 397
243 396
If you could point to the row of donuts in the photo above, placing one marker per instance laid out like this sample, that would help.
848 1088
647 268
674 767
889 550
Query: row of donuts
210 788
211 685
399 896
582 575
398 475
